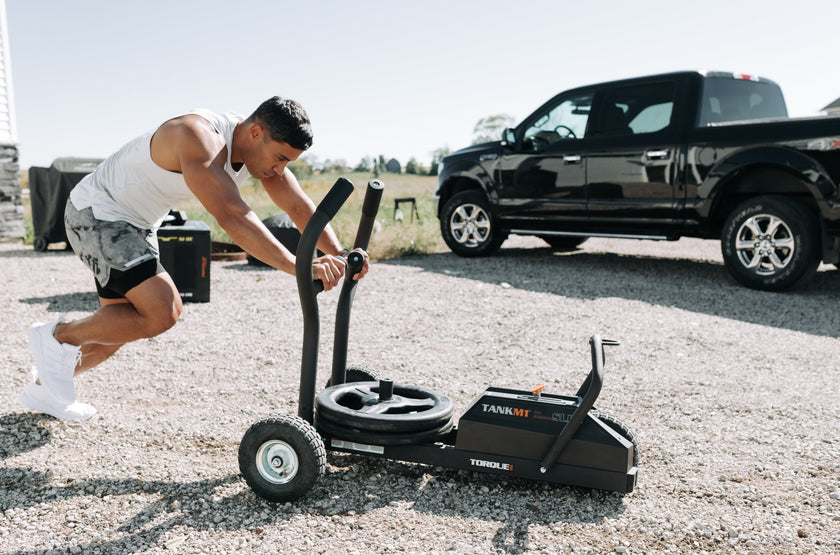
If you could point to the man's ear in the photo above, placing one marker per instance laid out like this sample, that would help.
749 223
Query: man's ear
255 131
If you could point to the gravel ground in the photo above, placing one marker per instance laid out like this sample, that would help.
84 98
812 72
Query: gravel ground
732 395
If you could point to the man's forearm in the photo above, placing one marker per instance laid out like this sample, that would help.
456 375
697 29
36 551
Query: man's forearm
328 243
252 235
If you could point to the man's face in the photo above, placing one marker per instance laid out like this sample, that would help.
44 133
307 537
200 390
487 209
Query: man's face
268 158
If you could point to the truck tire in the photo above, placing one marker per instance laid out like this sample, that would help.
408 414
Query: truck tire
771 243
468 227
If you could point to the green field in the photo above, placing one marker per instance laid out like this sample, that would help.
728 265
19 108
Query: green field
391 239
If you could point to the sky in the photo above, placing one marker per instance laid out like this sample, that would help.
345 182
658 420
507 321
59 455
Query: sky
394 78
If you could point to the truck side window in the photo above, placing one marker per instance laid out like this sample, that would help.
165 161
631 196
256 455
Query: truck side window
635 110
731 99
653 118
566 120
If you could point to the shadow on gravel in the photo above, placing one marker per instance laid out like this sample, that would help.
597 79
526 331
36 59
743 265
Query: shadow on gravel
513 504
161 513
245 267
68 302
137 534
20 433
686 284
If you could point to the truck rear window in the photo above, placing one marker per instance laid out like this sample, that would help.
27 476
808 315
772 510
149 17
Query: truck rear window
733 99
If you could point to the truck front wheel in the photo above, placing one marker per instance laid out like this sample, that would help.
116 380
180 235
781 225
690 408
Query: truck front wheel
468 227
770 243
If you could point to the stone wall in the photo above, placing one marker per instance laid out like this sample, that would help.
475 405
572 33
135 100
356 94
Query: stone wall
11 199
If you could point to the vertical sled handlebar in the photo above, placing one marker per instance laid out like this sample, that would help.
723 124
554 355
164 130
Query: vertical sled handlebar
308 290
370 207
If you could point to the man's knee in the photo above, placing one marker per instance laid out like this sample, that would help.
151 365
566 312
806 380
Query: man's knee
174 313
158 302
163 316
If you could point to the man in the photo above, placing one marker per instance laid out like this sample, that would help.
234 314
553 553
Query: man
112 216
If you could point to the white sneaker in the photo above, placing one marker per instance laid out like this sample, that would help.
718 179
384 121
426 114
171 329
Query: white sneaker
56 362
38 398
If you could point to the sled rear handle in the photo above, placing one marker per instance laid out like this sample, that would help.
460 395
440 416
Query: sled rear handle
587 394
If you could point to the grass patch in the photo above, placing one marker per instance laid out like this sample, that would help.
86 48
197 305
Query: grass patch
391 239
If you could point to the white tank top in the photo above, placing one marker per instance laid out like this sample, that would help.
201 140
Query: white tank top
128 186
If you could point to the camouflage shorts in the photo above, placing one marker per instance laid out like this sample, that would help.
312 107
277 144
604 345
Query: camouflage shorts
104 246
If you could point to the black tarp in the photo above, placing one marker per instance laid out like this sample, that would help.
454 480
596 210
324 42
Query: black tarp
48 192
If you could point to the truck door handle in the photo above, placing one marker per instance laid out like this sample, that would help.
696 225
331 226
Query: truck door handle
572 159
657 154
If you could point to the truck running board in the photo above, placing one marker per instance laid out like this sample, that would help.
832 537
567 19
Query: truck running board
581 234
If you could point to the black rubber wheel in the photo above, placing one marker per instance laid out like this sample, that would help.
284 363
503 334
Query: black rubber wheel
619 427
356 405
347 433
281 457
771 243
40 244
563 243
468 226
358 373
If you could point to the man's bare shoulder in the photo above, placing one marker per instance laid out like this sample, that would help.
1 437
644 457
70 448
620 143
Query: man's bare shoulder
187 136
190 126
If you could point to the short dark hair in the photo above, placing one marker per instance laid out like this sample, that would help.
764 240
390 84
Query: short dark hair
285 121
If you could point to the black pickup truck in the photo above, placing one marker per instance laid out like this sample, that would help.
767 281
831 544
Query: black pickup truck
689 154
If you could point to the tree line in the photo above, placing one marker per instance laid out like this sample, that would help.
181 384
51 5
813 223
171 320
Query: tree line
307 165
487 129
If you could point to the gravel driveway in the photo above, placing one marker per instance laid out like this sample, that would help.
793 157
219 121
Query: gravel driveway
732 394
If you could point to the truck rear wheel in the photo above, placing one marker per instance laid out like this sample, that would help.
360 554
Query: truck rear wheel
771 243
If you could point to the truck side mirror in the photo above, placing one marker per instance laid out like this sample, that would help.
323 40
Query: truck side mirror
508 137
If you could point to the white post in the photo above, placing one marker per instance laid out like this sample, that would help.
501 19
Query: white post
8 125
11 197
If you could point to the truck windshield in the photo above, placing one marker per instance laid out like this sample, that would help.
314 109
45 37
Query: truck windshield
566 120
733 99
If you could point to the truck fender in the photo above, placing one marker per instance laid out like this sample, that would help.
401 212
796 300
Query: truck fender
461 176
787 160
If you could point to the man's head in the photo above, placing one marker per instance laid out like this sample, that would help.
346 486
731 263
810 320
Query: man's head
275 134
285 121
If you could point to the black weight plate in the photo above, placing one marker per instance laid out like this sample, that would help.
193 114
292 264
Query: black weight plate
356 405
331 429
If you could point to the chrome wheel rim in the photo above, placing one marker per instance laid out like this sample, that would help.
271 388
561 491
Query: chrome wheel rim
764 244
277 462
470 225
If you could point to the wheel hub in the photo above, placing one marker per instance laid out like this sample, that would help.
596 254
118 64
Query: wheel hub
470 224
277 462
764 244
